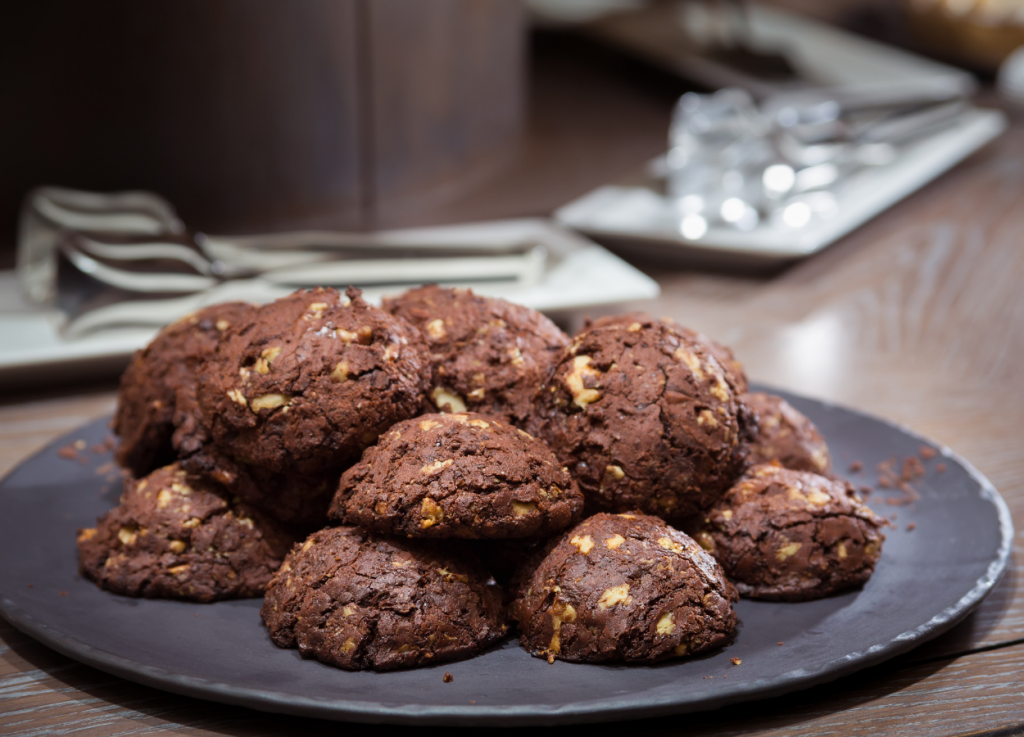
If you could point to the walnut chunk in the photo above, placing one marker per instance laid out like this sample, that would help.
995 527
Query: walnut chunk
340 373
667 624
445 398
576 381
266 357
584 543
435 329
270 401
787 551
560 612
613 542
128 534
430 512
691 361
670 544
436 466
521 509
614 596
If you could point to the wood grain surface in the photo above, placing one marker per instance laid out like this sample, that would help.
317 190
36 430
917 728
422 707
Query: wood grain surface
915 317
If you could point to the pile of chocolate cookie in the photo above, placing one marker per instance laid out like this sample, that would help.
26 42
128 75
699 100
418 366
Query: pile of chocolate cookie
406 485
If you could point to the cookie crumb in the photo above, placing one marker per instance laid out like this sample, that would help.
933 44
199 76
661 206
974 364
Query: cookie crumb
941 467
856 467
911 527
927 452
735 661
63 593
448 677
68 452
780 644
31 586
866 491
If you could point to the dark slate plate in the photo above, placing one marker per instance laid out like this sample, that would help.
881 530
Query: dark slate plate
927 581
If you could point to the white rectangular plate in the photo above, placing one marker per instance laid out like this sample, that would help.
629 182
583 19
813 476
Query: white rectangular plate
579 274
641 212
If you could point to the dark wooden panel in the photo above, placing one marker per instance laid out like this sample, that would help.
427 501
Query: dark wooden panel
241 112
446 80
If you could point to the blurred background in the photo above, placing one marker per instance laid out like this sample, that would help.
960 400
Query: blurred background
255 115
709 134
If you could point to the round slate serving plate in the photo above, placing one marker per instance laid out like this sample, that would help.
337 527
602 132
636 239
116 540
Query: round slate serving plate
928 579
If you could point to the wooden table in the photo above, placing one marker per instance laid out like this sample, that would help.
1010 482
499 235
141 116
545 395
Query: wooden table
915 317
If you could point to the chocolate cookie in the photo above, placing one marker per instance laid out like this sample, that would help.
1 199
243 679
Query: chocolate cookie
177 536
645 417
488 355
298 500
460 475
311 382
786 436
622 588
723 353
791 535
358 601
158 387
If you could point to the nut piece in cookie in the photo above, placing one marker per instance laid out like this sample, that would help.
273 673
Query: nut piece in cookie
792 535
178 536
645 417
458 475
311 382
358 601
622 588
158 388
488 355
786 436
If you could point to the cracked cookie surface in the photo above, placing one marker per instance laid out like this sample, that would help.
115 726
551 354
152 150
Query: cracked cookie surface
458 475
645 417
311 382
622 588
177 536
157 393
723 353
356 600
792 535
786 435
488 355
